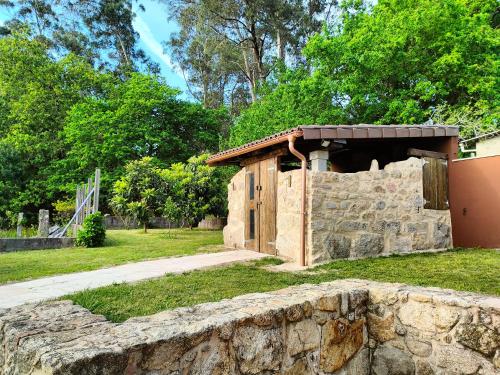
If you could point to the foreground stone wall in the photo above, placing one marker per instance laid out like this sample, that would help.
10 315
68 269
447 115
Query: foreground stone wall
427 331
371 213
234 231
345 327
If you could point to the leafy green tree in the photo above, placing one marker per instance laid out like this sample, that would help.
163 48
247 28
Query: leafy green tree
140 117
140 193
392 62
194 191
60 119
101 31
11 173
36 92
472 121
397 61
171 211
296 99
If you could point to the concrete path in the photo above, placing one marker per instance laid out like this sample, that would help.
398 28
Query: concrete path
56 286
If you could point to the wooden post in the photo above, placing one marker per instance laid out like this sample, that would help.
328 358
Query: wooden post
77 204
82 198
88 205
97 183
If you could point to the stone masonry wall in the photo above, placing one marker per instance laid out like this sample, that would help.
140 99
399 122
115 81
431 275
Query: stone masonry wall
348 327
426 331
288 213
234 231
371 213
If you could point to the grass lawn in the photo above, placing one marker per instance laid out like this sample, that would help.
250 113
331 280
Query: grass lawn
469 269
121 246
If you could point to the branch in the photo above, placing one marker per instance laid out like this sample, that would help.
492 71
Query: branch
227 37
230 19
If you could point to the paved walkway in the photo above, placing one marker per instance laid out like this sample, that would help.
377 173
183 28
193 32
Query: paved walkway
56 286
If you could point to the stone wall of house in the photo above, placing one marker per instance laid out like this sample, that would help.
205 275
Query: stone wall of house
348 327
234 231
371 213
289 195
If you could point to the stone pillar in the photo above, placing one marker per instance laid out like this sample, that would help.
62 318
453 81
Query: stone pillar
19 229
319 160
43 223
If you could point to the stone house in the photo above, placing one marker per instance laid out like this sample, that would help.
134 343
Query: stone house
316 193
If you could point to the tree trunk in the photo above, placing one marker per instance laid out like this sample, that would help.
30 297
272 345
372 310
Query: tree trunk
250 76
122 47
145 227
280 46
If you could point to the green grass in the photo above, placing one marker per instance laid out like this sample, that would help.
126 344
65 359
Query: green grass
468 269
12 233
121 246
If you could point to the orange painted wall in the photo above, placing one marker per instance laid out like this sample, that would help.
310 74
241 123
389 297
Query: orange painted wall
475 201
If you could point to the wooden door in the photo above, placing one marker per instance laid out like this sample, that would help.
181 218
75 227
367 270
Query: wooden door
267 206
435 183
251 207
260 206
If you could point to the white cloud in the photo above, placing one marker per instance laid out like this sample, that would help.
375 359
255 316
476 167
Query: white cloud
153 45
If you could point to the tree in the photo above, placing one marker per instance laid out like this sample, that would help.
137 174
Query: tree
101 31
140 192
297 98
392 62
185 200
12 172
241 41
36 92
194 191
399 60
208 61
184 192
140 117
61 118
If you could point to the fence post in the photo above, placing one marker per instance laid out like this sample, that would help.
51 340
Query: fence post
82 198
97 183
77 203
19 229
43 223
88 205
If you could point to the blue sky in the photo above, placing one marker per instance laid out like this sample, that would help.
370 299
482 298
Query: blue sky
154 27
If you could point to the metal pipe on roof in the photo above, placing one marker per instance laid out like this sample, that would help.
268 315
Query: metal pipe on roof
293 150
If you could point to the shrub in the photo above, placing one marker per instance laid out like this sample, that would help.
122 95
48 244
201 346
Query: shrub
93 232
64 211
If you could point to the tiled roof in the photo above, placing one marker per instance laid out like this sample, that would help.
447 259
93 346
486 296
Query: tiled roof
362 131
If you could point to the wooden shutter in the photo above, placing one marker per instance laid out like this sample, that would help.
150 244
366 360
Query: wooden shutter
435 181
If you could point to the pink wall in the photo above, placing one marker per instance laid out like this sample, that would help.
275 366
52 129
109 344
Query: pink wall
475 201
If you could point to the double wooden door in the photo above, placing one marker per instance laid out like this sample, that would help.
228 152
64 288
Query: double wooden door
260 206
